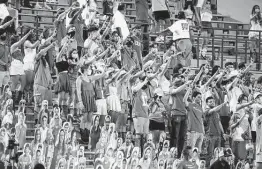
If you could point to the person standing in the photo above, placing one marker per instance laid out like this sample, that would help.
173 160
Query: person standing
140 110
181 39
119 22
178 113
160 12
214 127
195 120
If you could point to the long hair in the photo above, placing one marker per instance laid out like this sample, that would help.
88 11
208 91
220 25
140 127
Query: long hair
257 17
58 137
10 29
36 130
23 116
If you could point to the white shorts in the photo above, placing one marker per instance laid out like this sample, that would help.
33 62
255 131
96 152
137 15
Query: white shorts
29 66
101 105
141 125
4 78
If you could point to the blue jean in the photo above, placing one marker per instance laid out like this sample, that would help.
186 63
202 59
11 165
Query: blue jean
178 131
213 142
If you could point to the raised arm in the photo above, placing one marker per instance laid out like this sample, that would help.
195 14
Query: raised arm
98 76
28 44
180 88
43 51
48 40
20 42
232 84
109 60
77 14
127 74
185 99
139 86
211 79
7 23
215 108
241 106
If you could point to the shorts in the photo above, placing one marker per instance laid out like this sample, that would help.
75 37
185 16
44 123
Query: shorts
63 83
4 78
154 125
101 106
161 15
207 27
141 125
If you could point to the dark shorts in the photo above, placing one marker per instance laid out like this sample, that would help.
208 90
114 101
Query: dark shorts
161 15
207 26
153 125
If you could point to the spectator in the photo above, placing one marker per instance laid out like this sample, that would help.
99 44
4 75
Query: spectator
160 12
221 162
119 23
206 17
255 20
21 128
195 120
181 37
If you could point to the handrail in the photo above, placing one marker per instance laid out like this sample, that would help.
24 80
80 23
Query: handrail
235 38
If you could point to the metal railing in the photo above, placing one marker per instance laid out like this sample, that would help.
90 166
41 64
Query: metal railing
236 43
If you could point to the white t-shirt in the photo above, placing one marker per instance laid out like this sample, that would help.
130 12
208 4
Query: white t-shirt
3 11
17 67
29 59
206 16
120 22
256 107
180 30
233 95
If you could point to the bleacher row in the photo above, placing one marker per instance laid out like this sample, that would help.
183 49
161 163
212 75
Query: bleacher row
230 41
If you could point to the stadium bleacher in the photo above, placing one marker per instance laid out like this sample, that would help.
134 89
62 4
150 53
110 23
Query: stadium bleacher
230 42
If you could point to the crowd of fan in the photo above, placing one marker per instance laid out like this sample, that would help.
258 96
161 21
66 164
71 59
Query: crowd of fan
131 111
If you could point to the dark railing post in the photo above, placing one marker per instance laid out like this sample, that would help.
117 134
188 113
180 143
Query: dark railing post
197 50
259 64
37 25
213 52
236 47
222 53
245 51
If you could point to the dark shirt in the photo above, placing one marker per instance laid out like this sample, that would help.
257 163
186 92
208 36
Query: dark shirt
108 8
220 165
138 48
195 118
142 11
179 107
3 56
213 128
62 66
